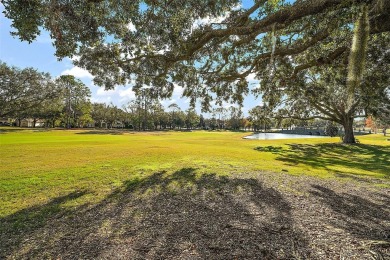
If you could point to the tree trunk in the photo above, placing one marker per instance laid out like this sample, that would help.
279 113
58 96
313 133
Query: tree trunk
349 137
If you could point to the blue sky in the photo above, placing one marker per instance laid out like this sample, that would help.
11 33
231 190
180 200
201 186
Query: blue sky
40 55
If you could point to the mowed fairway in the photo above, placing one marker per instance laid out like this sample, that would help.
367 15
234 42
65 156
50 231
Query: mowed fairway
58 174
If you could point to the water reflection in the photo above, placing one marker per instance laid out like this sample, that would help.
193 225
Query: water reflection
273 136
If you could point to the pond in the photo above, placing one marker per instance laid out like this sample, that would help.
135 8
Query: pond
273 136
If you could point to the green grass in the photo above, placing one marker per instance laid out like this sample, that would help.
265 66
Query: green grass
39 166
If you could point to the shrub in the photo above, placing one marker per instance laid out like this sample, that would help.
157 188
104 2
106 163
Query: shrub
331 129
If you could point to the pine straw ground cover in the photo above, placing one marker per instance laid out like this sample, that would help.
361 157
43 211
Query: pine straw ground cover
117 195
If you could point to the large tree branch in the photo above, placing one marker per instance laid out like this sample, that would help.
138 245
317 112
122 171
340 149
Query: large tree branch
325 112
298 48
320 61
277 21
243 18
329 107
380 24
353 107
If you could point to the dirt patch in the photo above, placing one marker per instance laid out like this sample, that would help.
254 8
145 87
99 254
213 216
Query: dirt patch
188 216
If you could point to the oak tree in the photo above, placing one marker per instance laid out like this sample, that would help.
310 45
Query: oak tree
209 47
22 90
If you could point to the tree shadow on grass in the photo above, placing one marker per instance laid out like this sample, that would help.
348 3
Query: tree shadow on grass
359 156
270 148
102 132
17 129
16 228
172 216
11 130
359 216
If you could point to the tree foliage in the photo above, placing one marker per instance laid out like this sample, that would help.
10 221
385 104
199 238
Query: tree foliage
160 42
24 89
211 47
76 99
260 116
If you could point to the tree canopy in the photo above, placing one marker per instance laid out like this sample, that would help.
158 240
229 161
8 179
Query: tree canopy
157 42
76 96
23 89
211 47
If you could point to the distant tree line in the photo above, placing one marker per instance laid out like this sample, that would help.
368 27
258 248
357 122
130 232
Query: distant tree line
65 102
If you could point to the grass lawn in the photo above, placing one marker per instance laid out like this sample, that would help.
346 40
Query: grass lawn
51 176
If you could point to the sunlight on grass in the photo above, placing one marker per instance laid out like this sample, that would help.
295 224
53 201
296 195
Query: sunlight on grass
37 166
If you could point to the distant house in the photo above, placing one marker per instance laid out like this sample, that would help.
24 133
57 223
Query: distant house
90 124
4 121
28 122
115 124
118 124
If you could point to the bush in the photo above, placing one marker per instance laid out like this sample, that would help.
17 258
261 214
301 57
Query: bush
331 129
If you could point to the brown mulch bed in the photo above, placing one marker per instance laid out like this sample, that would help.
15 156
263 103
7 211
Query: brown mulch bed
181 216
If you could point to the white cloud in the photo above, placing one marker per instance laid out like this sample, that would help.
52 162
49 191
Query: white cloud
131 27
119 95
227 106
253 82
77 72
127 93
237 7
251 77
73 58
167 102
177 91
102 92
106 100
208 20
